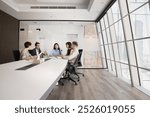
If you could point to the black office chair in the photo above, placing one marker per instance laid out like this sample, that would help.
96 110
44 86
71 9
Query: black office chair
78 62
72 70
16 54
31 52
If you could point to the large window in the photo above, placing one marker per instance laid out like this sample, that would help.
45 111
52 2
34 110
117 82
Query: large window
114 42
126 34
141 34
134 4
140 20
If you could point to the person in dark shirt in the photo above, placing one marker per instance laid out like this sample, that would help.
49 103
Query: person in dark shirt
36 51
69 48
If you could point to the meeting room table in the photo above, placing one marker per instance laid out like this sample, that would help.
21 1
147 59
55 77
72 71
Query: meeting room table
23 80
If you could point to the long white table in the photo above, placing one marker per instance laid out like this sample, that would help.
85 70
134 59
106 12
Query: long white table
32 84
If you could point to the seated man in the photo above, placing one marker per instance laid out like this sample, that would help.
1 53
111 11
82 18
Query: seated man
74 53
36 51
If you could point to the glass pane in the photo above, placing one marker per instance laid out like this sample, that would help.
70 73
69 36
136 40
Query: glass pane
133 4
127 28
105 37
102 24
107 52
131 53
113 66
143 52
125 71
135 76
140 22
108 35
113 33
92 53
106 20
111 52
116 52
145 78
109 65
119 31
123 53
116 11
110 16
118 65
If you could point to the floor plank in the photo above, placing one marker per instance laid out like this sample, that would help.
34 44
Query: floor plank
97 84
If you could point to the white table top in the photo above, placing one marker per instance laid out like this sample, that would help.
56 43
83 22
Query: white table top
32 84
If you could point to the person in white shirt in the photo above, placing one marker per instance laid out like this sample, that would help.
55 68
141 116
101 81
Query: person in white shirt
25 55
74 53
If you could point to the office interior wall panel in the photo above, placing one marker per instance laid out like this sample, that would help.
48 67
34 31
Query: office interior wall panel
8 37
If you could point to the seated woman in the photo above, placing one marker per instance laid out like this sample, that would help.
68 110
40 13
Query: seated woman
25 55
69 49
73 54
56 50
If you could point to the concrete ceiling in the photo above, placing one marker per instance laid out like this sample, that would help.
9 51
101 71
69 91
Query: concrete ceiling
54 9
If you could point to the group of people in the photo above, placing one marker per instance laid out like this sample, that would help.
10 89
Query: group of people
35 54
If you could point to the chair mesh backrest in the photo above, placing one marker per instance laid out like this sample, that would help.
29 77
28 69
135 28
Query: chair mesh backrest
78 59
16 54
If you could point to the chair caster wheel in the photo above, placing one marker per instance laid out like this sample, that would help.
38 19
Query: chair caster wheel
83 75
60 83
76 84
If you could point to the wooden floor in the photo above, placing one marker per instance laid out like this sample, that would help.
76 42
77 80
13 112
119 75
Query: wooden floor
97 85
